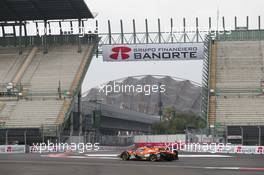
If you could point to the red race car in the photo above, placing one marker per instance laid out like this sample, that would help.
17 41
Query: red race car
149 153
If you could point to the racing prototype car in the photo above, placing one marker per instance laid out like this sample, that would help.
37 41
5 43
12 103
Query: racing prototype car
149 153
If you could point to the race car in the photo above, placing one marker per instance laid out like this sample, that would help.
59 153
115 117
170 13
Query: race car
149 153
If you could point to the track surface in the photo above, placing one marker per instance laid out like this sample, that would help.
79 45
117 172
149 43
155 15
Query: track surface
68 164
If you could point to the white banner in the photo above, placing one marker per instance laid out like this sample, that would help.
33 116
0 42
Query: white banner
153 52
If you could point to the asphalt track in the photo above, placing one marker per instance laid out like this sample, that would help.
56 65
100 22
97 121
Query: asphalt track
107 164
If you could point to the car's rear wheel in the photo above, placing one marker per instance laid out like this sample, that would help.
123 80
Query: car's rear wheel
125 156
152 158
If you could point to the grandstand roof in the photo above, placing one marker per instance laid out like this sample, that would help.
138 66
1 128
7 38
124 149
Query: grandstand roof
26 10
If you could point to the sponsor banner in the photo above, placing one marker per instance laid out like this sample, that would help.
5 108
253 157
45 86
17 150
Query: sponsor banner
153 52
12 149
234 137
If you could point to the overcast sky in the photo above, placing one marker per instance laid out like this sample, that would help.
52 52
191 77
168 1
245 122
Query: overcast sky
114 10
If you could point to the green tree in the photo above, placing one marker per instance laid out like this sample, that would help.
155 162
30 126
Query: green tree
174 122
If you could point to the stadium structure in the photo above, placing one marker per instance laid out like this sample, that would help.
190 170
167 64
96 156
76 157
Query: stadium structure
235 86
41 75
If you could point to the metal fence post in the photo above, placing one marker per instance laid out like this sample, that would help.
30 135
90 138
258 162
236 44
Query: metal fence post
25 137
6 139
259 135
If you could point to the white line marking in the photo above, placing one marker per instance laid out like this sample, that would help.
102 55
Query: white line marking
181 155
206 156
223 168
101 155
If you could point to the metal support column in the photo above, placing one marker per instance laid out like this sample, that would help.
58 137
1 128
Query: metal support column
49 28
25 34
235 23
147 32
60 28
37 29
197 30
223 20
80 113
6 137
184 30
58 129
79 36
71 124
20 38
247 22
43 136
171 23
15 36
45 37
226 135
159 31
259 27
122 31
134 32
242 135
109 32
259 140
25 137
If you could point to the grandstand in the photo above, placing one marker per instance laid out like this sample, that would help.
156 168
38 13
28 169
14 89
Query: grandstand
236 87
40 76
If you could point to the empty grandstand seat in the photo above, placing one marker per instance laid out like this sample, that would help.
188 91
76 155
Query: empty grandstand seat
240 72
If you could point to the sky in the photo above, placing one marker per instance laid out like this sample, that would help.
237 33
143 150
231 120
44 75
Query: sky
100 72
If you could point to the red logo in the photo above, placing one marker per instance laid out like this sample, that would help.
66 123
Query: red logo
260 150
120 52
